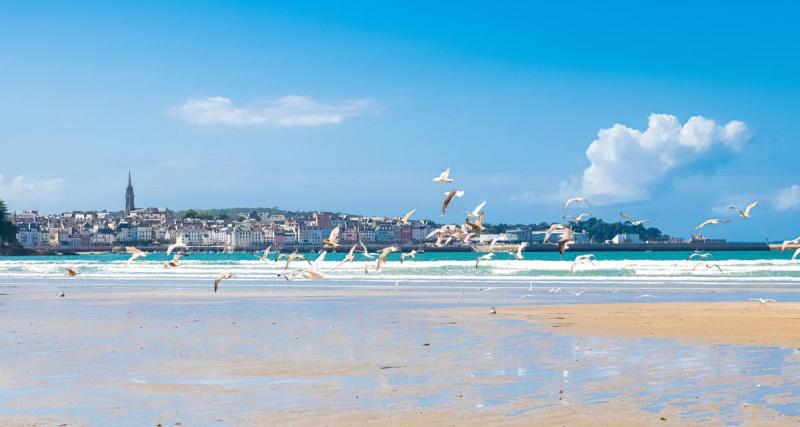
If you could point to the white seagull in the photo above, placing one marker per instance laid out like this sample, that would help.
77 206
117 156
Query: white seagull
634 221
786 243
763 301
265 257
135 253
332 242
518 254
222 276
477 211
581 259
175 246
405 219
444 177
746 212
698 254
711 221
576 200
411 254
448 198
350 257
485 257
364 250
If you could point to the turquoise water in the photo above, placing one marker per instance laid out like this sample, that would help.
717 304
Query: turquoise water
437 256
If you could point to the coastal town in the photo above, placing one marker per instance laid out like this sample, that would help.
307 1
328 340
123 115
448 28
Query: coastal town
156 228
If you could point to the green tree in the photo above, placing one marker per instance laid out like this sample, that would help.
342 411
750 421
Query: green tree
8 231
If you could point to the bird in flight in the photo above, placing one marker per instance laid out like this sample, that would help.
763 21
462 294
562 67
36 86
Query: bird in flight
567 238
477 211
763 301
699 254
385 253
71 271
746 212
796 254
444 177
708 267
135 253
786 243
576 200
350 257
265 256
222 276
448 198
711 221
518 254
554 228
485 257
174 262
411 254
332 242
634 221
405 219
581 259
577 219
364 250
175 246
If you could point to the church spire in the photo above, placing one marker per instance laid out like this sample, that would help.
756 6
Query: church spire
129 199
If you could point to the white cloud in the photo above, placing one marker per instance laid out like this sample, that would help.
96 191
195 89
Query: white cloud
288 111
22 193
787 198
625 163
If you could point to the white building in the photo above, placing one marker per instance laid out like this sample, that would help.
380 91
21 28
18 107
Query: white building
626 238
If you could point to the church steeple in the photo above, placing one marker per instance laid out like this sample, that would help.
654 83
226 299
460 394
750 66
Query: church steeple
129 204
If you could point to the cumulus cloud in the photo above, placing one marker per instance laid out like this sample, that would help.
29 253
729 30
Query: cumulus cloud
787 198
21 192
288 111
626 163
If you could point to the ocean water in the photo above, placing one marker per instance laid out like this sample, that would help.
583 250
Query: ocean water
735 267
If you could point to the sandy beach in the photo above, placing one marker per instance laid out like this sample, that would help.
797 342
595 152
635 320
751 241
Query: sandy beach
383 356
745 322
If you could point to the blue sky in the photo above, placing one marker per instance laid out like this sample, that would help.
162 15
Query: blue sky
356 106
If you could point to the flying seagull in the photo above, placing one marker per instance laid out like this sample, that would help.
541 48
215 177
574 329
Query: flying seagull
634 221
135 253
222 276
711 221
518 254
444 177
71 271
406 217
174 262
578 218
332 242
411 254
485 257
709 267
576 200
365 252
350 257
477 211
746 212
796 254
581 259
567 238
265 257
698 254
448 198
553 229
175 246
384 253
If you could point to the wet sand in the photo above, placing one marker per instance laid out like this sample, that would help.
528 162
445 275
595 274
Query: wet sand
746 322
369 357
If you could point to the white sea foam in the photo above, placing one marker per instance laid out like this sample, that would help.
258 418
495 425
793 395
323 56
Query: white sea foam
620 271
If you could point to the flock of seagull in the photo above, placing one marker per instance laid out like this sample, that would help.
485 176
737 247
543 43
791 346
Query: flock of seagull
445 235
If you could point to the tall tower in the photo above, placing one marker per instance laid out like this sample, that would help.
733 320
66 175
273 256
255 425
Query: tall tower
129 205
